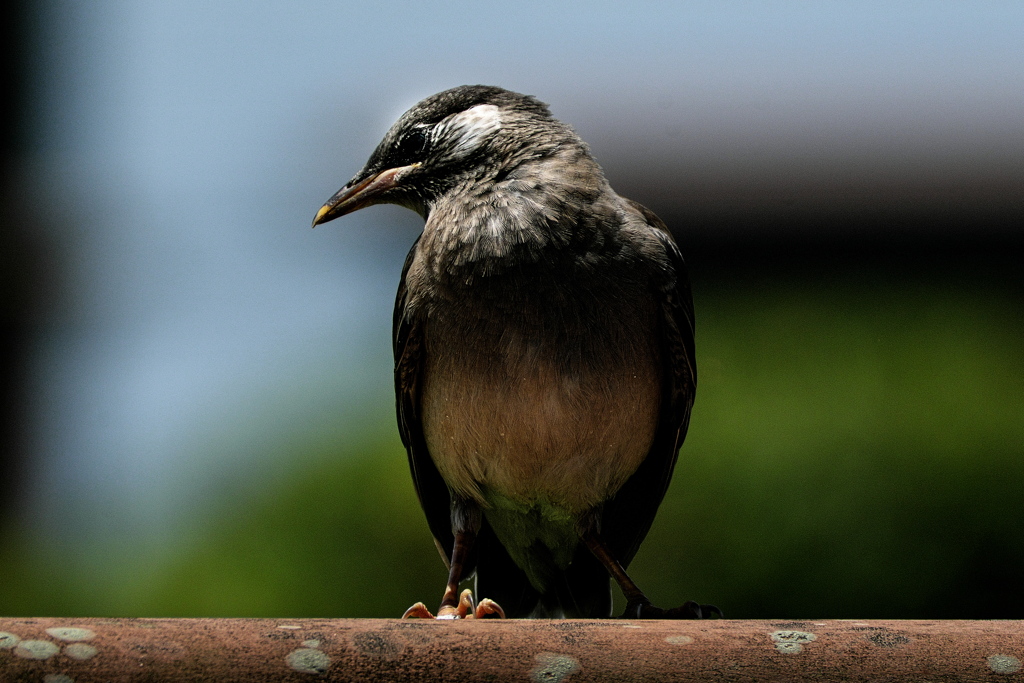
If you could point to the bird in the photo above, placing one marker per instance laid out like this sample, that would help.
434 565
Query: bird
543 337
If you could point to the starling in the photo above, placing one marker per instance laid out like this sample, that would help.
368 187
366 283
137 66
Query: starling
544 355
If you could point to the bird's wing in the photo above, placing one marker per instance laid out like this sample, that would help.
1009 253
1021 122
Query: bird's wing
407 330
628 516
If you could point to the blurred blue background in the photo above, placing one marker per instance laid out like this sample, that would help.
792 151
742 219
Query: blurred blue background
197 387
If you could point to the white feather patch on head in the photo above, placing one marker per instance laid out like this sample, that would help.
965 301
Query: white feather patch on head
469 129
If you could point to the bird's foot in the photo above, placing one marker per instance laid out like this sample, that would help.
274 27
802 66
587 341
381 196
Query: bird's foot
487 609
688 610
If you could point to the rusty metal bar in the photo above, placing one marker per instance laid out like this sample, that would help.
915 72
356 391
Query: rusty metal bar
70 650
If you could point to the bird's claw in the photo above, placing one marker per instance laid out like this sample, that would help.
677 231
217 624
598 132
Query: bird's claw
688 610
418 611
487 609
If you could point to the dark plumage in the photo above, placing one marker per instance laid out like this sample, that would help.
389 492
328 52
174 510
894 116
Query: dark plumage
544 362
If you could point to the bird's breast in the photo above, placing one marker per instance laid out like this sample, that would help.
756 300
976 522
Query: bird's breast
534 397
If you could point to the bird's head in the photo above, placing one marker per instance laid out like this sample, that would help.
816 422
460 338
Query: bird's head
457 135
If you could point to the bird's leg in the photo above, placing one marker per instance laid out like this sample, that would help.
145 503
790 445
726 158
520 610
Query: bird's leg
466 520
638 606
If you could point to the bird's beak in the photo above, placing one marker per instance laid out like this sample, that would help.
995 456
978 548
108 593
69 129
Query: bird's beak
364 193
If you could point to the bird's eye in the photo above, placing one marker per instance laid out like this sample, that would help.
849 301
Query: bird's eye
410 147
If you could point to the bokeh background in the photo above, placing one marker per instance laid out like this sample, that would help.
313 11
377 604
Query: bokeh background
197 414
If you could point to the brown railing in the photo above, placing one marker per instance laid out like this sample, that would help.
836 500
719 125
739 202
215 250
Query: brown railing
64 650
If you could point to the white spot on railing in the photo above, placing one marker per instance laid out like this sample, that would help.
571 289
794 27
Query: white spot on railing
308 660
791 642
71 633
8 640
58 678
1003 664
679 640
552 668
36 649
80 651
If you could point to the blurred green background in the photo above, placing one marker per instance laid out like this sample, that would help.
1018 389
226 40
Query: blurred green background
197 410
854 452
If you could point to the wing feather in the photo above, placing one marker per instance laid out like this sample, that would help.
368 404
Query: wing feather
628 516
433 493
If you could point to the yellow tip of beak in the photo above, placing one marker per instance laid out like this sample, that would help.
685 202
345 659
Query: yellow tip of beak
320 214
